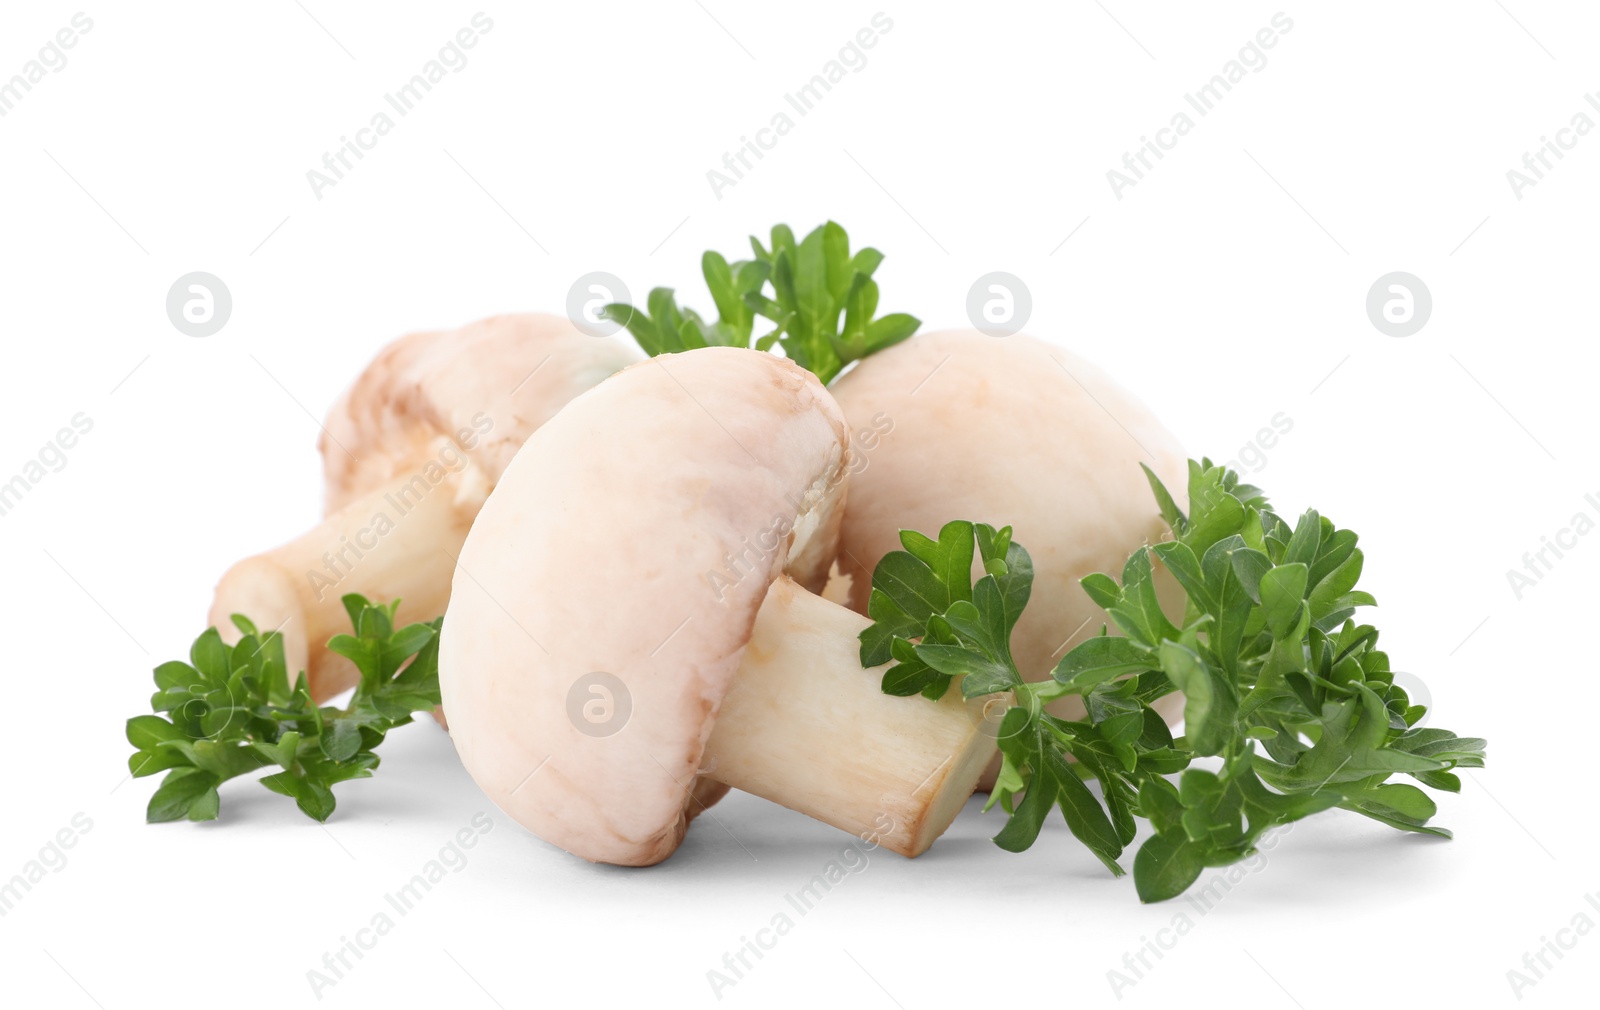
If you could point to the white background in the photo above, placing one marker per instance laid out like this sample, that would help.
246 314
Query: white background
1226 287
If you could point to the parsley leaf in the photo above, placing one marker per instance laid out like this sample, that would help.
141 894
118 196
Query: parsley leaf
1289 697
231 710
820 299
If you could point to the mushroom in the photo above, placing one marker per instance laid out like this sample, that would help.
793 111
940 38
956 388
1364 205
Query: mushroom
634 626
1009 431
409 453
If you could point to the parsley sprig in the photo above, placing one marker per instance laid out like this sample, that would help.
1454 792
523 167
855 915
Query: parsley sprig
1287 697
820 299
231 710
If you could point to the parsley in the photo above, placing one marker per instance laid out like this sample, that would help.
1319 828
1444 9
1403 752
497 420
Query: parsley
821 304
231 710
1289 699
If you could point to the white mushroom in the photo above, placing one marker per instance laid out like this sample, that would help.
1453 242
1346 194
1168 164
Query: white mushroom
1008 431
409 454
623 643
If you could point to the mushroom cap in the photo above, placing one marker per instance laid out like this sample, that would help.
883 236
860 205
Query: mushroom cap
620 564
511 373
1008 431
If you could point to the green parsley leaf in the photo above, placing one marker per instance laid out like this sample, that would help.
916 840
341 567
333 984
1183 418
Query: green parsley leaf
232 710
1288 695
820 300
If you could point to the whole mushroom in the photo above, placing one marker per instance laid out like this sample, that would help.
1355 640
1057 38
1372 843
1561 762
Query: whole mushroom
634 627
410 451
1009 431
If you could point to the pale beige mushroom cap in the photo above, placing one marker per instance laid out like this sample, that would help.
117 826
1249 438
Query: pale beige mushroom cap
606 548
1008 431
409 453
493 381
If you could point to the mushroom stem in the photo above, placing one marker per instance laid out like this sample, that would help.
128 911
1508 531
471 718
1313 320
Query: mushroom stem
398 541
805 726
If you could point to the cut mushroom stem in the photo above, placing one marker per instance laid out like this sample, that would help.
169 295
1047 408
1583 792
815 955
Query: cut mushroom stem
398 541
805 726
